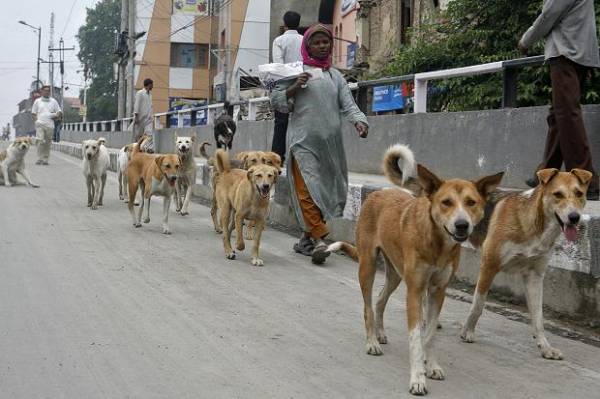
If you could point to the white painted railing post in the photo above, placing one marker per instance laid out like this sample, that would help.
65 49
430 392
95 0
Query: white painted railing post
179 119
113 126
420 105
251 110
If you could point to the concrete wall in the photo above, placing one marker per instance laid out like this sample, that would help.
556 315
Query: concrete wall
465 144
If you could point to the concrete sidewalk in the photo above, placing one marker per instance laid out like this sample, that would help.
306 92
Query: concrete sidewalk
91 307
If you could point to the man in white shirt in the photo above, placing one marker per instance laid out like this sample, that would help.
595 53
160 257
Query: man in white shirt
142 110
286 49
44 111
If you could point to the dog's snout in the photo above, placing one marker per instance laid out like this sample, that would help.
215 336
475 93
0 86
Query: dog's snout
574 217
173 178
266 186
461 225
89 156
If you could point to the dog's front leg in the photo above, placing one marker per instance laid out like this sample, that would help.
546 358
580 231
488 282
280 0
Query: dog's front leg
259 227
186 202
415 283
25 175
434 302
177 195
141 211
225 215
146 202
7 182
90 189
534 285
165 222
103 180
96 192
239 233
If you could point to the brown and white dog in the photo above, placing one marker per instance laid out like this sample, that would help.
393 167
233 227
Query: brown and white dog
187 173
245 193
146 145
155 175
419 239
12 161
521 233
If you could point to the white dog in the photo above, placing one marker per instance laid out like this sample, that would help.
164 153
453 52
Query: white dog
187 173
12 161
122 160
95 165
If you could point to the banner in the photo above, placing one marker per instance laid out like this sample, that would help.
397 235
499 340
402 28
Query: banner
387 98
178 103
190 7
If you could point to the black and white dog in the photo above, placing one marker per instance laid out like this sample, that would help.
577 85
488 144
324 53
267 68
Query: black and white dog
224 131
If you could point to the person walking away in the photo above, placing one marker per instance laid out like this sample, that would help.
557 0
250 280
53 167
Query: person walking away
569 27
142 110
286 49
317 170
57 127
45 111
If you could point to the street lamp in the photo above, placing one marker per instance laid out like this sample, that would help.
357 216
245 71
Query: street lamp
37 80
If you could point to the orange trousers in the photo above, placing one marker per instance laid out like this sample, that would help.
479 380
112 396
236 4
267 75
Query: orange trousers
313 218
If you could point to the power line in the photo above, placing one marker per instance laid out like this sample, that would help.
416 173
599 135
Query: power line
68 18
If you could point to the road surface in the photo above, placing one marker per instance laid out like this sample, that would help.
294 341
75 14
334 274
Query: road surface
92 308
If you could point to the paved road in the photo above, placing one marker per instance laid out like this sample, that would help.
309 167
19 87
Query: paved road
92 308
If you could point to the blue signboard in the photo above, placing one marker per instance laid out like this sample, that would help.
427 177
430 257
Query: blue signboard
177 103
350 55
387 98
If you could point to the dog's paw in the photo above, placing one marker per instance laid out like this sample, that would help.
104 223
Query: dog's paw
381 337
94 207
435 372
34 185
467 336
136 225
230 255
166 230
121 198
89 204
551 353
147 220
184 213
373 348
257 262
100 203
418 387
240 246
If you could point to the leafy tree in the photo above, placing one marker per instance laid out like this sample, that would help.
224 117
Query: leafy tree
96 53
472 32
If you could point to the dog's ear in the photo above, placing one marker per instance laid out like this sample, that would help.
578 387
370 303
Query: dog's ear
545 175
193 137
159 160
584 176
250 173
428 180
487 184
244 160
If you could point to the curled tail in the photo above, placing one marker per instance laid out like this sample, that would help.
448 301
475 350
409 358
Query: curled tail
399 164
348 248
203 150
137 146
222 159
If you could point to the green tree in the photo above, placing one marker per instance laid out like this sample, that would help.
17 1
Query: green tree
96 53
472 32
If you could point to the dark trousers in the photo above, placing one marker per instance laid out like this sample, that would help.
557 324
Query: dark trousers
279 134
567 140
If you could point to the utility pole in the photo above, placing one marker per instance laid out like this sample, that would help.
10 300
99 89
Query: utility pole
61 61
51 56
37 76
131 64
121 51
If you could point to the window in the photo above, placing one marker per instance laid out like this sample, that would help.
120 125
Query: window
189 55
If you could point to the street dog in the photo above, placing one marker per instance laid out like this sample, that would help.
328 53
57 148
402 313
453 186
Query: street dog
123 157
522 231
419 239
95 164
247 194
187 173
12 162
154 175
242 160
224 131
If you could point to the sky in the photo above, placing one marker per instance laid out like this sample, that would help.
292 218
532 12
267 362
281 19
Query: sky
18 47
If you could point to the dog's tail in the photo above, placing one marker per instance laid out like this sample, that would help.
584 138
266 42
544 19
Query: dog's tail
137 147
102 141
222 161
210 160
399 164
348 248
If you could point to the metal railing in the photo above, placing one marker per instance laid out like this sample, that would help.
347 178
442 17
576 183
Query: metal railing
509 69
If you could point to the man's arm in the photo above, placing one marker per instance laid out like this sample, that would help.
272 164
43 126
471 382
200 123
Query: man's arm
552 13
34 111
277 51
136 107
